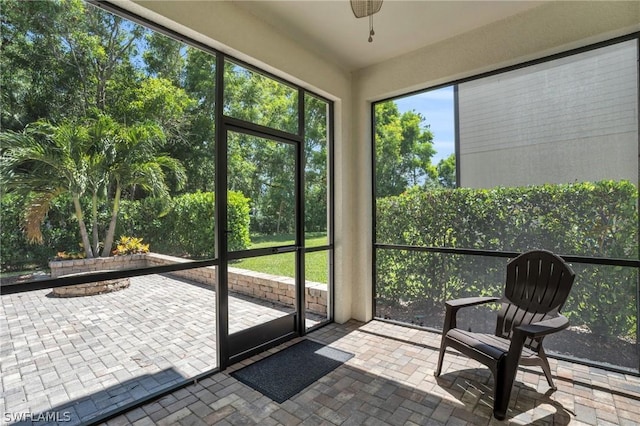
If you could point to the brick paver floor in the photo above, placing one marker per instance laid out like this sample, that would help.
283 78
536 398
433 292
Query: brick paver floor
87 355
390 381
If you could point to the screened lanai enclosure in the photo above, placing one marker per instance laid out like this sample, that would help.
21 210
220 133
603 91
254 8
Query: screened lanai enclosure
187 187
529 158
166 210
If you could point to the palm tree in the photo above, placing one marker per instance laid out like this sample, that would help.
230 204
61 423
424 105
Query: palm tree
98 158
43 162
101 131
135 163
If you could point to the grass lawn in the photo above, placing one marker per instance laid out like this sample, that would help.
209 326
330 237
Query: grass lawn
316 264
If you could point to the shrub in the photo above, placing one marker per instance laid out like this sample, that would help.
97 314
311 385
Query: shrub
182 226
59 234
130 245
187 230
70 255
186 225
145 218
238 221
586 219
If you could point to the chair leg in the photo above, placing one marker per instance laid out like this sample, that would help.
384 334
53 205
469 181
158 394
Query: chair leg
545 367
443 347
502 391
505 375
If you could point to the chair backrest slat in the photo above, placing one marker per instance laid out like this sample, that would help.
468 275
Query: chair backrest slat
537 286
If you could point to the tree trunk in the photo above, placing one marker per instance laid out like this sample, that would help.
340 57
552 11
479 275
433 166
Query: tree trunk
108 242
83 229
94 219
279 217
101 95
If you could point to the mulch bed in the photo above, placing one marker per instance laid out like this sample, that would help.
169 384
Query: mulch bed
19 279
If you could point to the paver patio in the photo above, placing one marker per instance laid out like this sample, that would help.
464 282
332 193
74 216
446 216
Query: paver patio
390 381
103 351
88 355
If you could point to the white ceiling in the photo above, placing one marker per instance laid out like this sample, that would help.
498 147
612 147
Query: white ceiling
330 29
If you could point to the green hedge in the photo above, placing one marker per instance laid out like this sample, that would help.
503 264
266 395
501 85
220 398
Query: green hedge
59 234
186 226
182 226
586 219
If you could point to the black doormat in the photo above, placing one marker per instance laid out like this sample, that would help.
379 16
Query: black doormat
285 373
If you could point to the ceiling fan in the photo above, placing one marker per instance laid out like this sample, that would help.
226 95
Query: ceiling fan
363 8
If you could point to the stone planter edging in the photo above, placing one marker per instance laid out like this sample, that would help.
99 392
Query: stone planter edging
89 289
250 283
63 268
76 266
255 284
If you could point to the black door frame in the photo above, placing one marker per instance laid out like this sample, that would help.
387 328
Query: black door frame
237 346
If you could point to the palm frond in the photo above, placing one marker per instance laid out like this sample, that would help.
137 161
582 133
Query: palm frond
35 213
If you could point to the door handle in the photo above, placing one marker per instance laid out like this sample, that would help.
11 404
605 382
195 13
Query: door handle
278 250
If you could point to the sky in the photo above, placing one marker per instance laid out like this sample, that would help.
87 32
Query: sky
436 106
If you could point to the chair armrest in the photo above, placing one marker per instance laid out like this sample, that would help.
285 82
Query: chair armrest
469 301
532 331
542 328
454 305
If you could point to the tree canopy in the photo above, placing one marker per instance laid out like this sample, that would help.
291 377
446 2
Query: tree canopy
102 109
134 111
404 149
